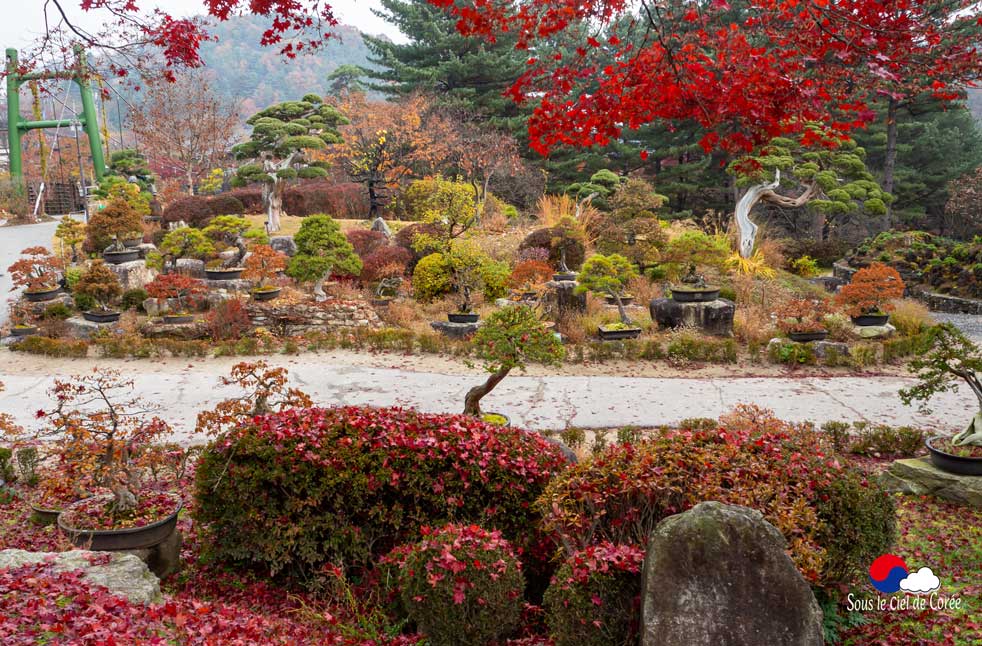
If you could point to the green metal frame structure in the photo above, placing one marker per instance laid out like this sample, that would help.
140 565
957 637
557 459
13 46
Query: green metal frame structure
17 127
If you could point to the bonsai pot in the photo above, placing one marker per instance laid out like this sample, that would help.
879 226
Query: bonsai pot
131 538
266 294
870 319
101 316
43 294
119 257
232 273
498 419
176 319
132 243
381 302
684 294
961 465
564 276
619 334
42 516
463 317
23 330
625 300
805 337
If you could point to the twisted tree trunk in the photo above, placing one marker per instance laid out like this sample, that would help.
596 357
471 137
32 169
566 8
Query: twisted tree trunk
765 193
472 402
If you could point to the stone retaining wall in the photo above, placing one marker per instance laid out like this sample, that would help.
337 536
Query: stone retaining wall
297 318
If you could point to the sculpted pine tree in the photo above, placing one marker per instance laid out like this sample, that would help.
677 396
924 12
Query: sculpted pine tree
278 150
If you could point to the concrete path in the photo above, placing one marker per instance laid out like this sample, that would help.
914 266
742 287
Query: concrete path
13 239
181 389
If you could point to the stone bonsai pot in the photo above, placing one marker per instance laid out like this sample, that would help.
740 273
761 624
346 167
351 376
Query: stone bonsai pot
114 257
618 332
463 317
133 538
133 243
958 464
224 273
42 294
805 337
690 294
101 316
870 319
626 299
564 276
265 293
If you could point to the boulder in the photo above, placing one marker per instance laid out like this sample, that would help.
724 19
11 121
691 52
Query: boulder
164 558
873 331
191 267
919 477
284 244
562 298
124 575
378 224
713 317
80 328
825 349
134 274
153 307
36 309
180 331
718 575
146 248
234 285
456 330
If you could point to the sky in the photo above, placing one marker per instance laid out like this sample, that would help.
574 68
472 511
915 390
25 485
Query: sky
23 20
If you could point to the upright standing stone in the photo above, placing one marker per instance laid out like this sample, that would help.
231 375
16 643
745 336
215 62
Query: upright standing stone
718 575
712 317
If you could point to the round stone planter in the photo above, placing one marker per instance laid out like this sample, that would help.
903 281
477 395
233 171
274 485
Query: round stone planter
683 294
132 243
41 295
870 319
133 538
119 257
23 330
265 294
619 335
467 317
232 273
805 337
97 316
44 517
625 300
177 319
957 464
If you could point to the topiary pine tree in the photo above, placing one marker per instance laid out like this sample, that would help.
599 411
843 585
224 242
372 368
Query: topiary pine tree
607 275
322 250
277 149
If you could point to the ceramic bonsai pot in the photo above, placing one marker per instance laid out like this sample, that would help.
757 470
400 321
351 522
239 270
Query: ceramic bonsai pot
177 319
625 300
232 273
41 295
43 516
381 302
119 257
265 294
619 334
463 317
564 276
132 538
99 316
133 243
685 294
805 337
23 330
870 319
958 464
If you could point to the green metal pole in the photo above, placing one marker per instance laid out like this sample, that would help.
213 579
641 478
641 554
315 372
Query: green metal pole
13 117
89 118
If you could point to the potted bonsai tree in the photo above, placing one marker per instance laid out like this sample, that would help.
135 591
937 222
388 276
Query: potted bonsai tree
70 233
20 319
528 274
176 288
263 266
803 319
464 278
693 288
103 434
322 251
109 227
608 276
867 296
390 280
102 284
512 337
567 236
229 232
949 358
184 242
38 272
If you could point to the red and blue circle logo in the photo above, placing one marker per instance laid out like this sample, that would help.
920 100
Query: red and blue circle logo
887 572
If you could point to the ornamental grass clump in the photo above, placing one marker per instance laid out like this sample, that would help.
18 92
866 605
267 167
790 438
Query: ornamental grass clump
594 598
462 585
294 489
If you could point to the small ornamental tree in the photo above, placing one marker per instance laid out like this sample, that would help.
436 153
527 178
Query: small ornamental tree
871 290
322 250
512 337
118 220
263 265
527 273
282 136
802 316
229 231
949 357
37 270
70 233
101 283
185 242
175 286
607 275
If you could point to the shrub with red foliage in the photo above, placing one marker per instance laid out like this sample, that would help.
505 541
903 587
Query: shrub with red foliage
383 258
198 210
407 235
184 289
341 201
462 585
871 290
528 273
366 241
594 599
251 198
352 483
229 320
835 520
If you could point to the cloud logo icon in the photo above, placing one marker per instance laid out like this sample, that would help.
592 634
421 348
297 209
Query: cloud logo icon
887 572
920 582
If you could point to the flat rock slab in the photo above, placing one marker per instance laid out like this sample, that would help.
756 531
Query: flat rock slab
718 575
919 477
134 274
456 330
874 331
124 575
80 328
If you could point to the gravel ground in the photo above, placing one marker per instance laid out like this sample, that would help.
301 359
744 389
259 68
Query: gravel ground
970 324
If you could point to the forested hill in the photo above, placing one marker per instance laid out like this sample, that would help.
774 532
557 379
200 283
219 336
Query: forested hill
241 69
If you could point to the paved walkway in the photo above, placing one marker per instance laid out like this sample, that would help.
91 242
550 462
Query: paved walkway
181 389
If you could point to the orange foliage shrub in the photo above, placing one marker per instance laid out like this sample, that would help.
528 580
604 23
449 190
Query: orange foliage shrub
871 290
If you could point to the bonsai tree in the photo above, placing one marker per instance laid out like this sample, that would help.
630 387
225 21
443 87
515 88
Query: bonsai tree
512 337
802 316
632 228
36 271
117 221
263 265
232 231
567 236
607 275
277 150
871 290
177 287
526 274
70 233
948 357
185 242
101 283
322 250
